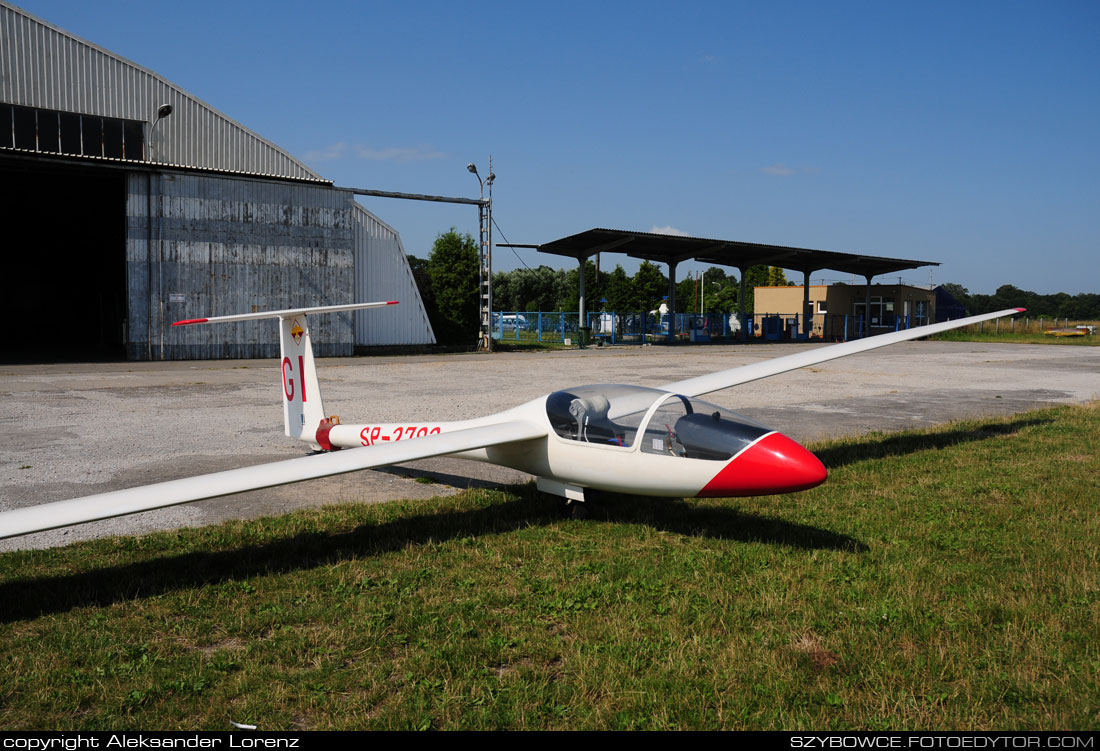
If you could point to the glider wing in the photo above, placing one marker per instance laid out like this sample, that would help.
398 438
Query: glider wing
724 379
121 502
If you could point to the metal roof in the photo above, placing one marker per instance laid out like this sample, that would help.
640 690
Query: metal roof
43 66
676 248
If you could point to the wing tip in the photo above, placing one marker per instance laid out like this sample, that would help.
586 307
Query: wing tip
189 321
1021 310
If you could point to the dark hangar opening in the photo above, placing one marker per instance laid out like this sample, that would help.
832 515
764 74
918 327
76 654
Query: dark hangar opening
64 254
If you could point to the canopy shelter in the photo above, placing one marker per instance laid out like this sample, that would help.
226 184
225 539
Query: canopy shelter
672 249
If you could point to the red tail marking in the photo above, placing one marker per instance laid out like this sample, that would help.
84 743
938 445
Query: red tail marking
288 383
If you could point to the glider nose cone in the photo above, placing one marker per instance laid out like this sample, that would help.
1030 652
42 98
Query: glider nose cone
774 464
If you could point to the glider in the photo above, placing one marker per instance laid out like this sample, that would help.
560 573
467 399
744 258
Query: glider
627 439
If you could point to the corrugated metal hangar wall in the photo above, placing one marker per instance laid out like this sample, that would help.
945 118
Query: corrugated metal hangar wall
134 222
227 245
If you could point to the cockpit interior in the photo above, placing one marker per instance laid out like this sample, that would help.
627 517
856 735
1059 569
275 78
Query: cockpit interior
613 415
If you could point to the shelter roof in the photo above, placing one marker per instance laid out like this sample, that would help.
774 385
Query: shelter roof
676 248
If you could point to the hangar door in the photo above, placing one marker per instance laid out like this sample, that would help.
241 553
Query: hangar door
65 264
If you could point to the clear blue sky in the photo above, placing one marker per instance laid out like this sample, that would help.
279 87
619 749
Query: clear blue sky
961 132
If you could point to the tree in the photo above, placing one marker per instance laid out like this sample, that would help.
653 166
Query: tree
776 277
453 271
619 292
722 291
595 287
687 294
650 285
755 276
505 291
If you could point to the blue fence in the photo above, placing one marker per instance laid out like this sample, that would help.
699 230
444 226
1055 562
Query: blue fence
840 328
613 328
639 328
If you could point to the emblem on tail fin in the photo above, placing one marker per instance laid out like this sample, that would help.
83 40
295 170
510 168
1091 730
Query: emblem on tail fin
296 331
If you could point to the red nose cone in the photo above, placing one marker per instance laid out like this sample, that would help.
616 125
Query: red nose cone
774 464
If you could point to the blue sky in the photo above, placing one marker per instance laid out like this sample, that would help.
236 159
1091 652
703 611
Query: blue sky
963 132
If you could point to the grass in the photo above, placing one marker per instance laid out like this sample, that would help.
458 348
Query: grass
943 579
1023 332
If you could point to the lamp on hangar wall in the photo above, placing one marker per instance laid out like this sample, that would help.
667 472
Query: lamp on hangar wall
163 111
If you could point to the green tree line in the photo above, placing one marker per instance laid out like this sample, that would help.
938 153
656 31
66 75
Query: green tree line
552 290
1082 307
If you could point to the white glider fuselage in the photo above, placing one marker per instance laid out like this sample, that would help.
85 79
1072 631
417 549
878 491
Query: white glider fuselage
640 449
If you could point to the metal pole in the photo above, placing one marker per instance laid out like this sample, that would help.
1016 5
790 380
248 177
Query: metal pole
484 339
411 196
485 247
671 301
807 315
741 305
867 312
489 254
580 316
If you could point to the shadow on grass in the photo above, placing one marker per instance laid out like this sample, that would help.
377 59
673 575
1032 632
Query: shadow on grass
30 598
882 446
443 479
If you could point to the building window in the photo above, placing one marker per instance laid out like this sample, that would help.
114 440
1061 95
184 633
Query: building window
882 310
55 132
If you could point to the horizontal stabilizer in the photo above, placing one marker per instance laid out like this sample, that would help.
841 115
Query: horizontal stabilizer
285 313
121 502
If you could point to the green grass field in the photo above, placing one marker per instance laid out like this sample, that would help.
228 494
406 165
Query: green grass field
944 579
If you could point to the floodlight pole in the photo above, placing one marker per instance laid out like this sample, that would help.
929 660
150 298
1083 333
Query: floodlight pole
485 257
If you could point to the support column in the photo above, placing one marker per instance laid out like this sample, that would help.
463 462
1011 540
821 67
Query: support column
580 303
807 313
672 300
867 309
741 306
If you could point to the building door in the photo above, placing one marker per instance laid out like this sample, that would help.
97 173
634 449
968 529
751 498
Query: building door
65 261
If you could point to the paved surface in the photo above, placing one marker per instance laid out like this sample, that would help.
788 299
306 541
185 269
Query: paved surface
75 429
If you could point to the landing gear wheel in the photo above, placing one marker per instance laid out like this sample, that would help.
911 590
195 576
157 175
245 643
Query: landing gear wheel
571 509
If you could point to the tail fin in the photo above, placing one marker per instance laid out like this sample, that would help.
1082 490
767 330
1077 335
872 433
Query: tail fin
302 406
303 410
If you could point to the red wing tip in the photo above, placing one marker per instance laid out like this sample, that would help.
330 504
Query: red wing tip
1021 310
391 302
190 320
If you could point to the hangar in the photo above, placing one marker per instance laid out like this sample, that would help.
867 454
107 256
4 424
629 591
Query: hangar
129 203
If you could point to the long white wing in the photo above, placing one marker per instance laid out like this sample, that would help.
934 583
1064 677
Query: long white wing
121 502
723 379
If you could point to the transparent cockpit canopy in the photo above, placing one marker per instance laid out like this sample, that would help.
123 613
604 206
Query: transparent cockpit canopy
695 429
612 415
607 413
